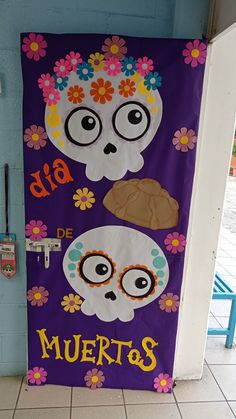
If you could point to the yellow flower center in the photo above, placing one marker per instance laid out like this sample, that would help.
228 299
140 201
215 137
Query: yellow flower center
36 230
37 375
101 90
37 295
169 303
184 139
126 88
34 46
75 94
195 53
163 383
175 242
35 137
114 49
94 379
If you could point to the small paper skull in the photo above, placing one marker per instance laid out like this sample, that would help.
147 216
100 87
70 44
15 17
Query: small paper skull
115 270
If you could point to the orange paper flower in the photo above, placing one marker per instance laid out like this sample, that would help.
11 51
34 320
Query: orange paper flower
127 88
75 94
101 91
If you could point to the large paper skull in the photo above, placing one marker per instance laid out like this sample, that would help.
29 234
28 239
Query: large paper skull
104 119
115 270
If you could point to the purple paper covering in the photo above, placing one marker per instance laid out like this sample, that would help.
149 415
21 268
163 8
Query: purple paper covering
110 131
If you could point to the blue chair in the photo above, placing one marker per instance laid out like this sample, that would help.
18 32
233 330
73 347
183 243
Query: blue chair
222 291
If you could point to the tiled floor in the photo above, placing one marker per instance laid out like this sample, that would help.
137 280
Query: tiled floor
214 397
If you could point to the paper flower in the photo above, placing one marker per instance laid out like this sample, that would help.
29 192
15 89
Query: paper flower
85 71
75 94
169 302
128 66
51 96
37 296
36 230
175 242
34 46
101 91
195 53
46 81
184 140
163 383
37 376
127 88
144 66
97 61
71 303
94 378
72 60
112 66
152 81
114 47
83 198
60 82
35 137
62 68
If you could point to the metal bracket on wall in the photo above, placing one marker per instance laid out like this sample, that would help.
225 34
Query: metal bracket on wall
46 246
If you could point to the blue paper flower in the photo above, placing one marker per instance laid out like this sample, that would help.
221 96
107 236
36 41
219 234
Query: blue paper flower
128 66
60 82
85 71
152 81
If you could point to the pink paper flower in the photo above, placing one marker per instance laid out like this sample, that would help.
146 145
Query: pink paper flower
72 60
34 46
169 302
94 378
144 66
37 376
112 66
51 96
195 53
175 242
35 137
184 140
36 230
46 81
163 383
62 68
37 296
114 47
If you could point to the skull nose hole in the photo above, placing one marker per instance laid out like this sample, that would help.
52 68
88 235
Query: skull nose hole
110 148
110 296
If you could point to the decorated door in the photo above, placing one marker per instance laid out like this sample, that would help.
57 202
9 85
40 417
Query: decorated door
110 133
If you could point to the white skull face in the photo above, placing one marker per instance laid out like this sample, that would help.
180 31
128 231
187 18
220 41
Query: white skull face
101 127
115 270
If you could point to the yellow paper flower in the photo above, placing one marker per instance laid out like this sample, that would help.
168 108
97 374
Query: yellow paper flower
84 198
97 61
71 303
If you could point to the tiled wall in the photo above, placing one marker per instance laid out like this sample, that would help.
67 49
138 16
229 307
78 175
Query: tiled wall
156 18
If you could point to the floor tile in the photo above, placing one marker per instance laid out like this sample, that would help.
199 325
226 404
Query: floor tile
154 411
226 378
233 406
100 412
205 389
143 397
9 389
44 396
6 414
216 410
62 413
100 397
217 353
223 320
212 322
220 308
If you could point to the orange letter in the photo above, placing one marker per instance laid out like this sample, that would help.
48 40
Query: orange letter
40 192
61 167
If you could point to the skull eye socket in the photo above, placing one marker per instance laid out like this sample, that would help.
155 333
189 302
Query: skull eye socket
83 126
96 268
131 121
137 282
